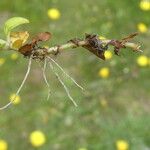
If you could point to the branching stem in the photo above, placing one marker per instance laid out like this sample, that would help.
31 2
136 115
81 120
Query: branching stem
91 42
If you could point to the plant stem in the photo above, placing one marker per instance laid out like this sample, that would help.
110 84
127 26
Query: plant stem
81 43
55 49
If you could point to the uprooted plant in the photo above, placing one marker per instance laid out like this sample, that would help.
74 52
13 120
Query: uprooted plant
18 41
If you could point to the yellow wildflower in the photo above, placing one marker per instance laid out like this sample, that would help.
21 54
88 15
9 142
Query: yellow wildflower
148 61
53 13
108 55
102 38
15 99
142 27
122 145
142 60
103 103
2 61
14 56
145 5
37 138
46 46
104 72
82 148
3 145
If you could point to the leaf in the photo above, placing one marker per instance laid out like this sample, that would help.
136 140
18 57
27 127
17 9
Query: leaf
2 43
17 44
24 35
95 46
17 39
26 49
14 22
44 36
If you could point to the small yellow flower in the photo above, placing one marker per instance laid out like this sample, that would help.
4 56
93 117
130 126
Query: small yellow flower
149 61
15 99
82 148
3 145
102 38
104 72
122 145
37 138
142 27
108 55
14 56
46 46
142 61
53 13
145 5
2 61
103 103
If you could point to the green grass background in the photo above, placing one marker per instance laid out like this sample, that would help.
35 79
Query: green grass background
89 125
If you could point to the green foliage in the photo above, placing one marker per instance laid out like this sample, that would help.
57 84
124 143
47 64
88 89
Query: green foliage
13 23
10 24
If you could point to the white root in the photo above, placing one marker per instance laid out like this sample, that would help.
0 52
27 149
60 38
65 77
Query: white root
64 86
45 78
65 73
21 86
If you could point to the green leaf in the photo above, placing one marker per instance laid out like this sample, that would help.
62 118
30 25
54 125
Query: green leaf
2 43
14 22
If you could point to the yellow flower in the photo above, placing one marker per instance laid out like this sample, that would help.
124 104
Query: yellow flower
15 99
145 5
122 145
108 55
37 138
103 103
46 46
14 56
102 38
2 61
3 145
53 13
142 27
148 61
104 72
82 148
142 61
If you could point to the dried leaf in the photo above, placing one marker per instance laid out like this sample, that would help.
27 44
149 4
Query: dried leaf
17 39
29 47
44 36
118 44
130 37
26 49
95 46
17 44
